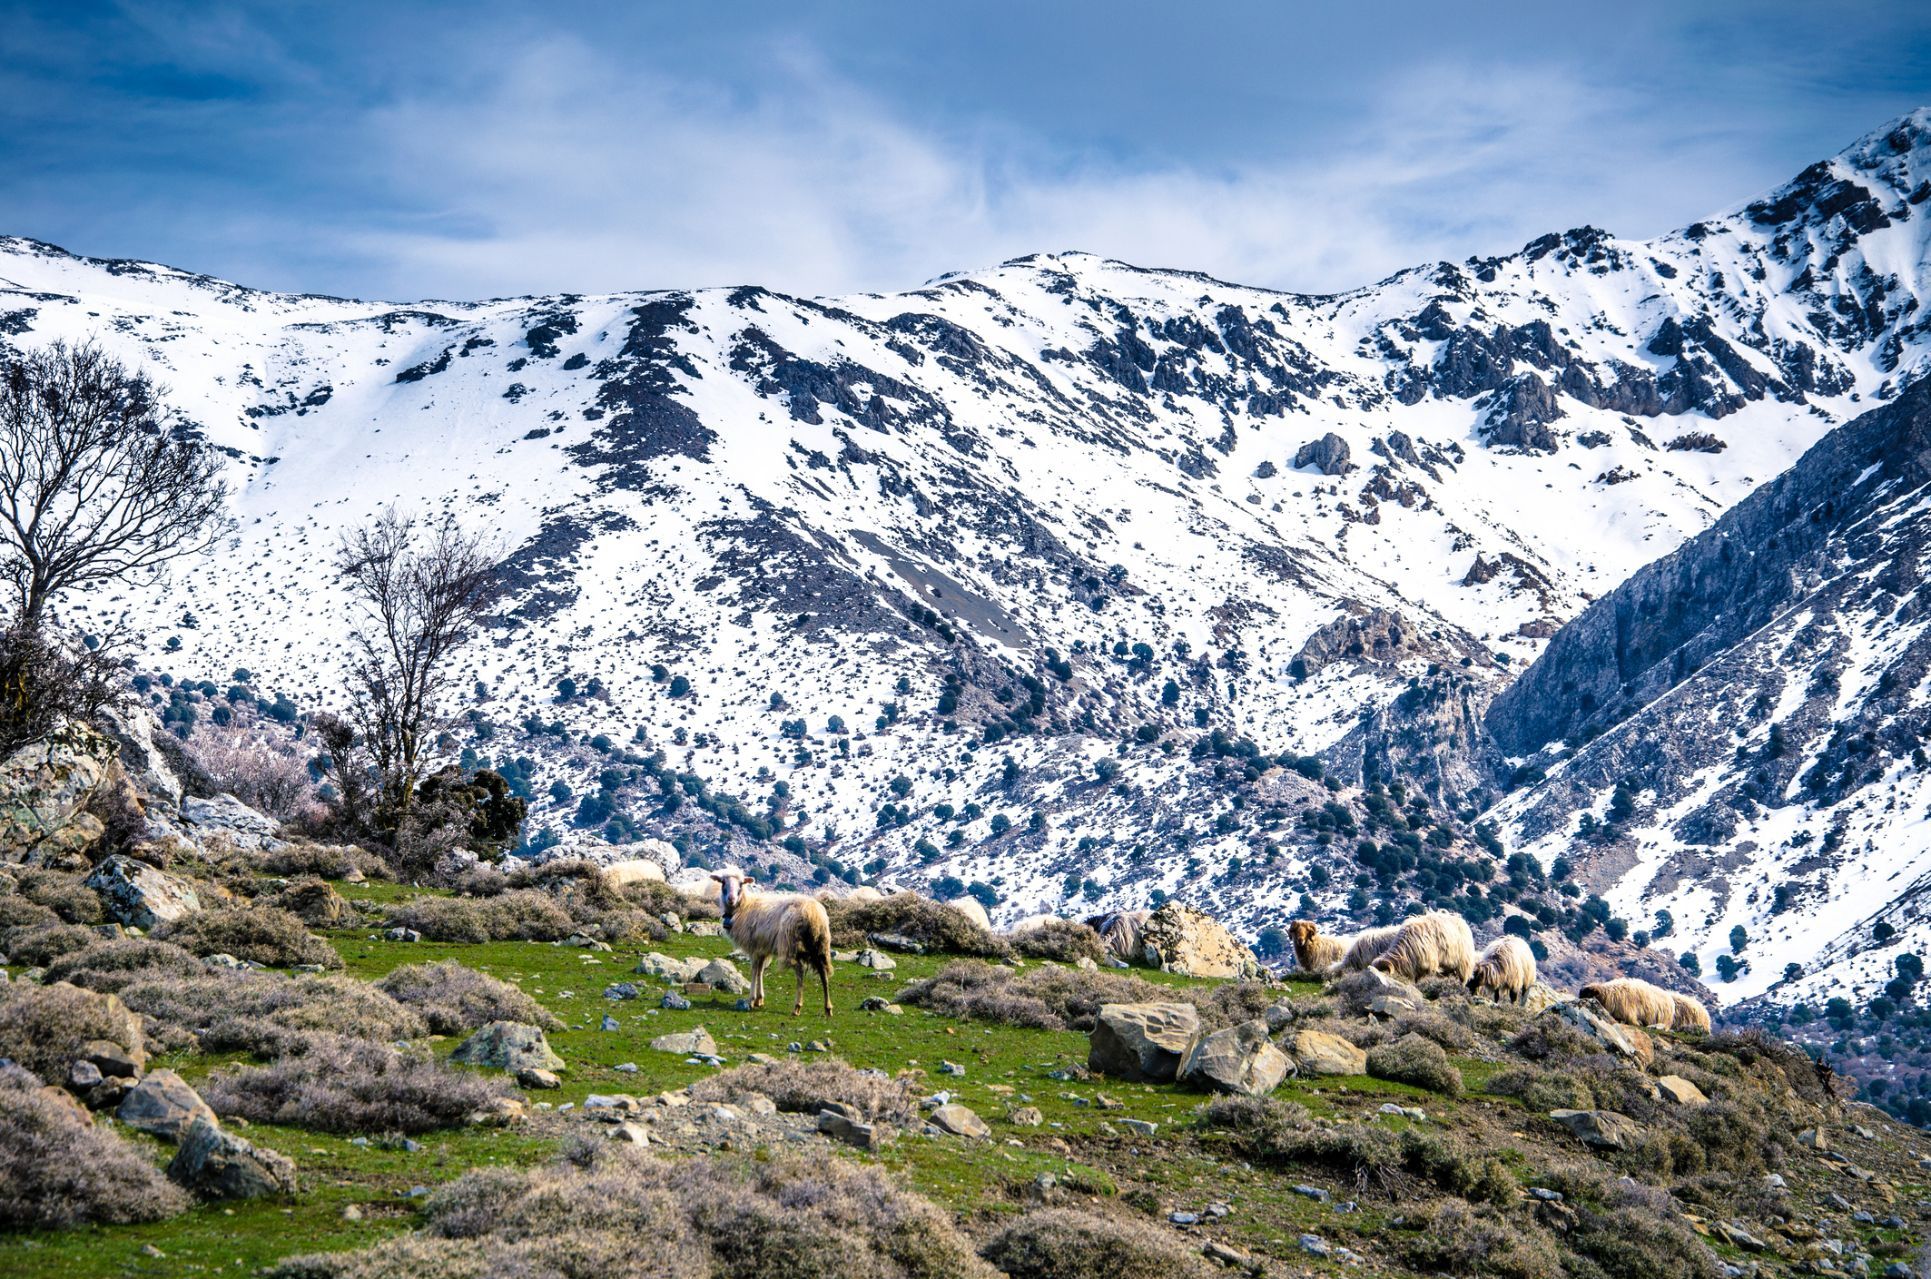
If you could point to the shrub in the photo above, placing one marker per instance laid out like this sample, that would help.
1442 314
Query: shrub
263 1013
1414 1060
66 895
43 1027
332 1083
1633 1242
806 1087
1454 1240
658 898
933 925
1540 1089
1446 1160
59 1169
311 900
38 947
523 915
1451 1035
1065 940
110 965
1068 998
1550 1038
704 1218
455 1000
260 934
327 861
17 914
1059 1243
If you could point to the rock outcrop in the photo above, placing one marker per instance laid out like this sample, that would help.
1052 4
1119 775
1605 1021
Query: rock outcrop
1180 939
1142 1042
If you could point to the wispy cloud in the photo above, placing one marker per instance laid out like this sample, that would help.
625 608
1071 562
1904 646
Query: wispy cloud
570 172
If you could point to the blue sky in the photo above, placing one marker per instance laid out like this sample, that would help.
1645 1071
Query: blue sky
476 149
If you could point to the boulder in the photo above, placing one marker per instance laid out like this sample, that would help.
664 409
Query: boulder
116 1060
161 1105
645 856
227 816
723 976
853 1131
43 788
1316 1052
1540 997
219 1165
1624 1041
508 1045
959 1121
1240 1059
972 910
876 960
537 1077
690 1042
1681 1091
1328 455
676 971
136 894
1142 1042
1180 939
1599 1129
143 758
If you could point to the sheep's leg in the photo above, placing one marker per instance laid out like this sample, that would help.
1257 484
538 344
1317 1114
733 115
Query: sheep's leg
798 1004
757 980
824 984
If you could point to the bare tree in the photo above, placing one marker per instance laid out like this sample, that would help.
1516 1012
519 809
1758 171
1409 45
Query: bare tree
420 590
94 484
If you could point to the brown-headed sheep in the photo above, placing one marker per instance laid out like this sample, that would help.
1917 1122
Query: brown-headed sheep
1690 1014
1438 942
788 927
1633 1002
1312 951
1506 968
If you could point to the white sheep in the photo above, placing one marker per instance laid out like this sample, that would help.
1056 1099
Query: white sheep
788 927
1438 942
1507 968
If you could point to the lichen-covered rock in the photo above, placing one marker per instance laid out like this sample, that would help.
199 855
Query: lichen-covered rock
1316 1052
1239 1059
227 816
1600 1129
722 975
136 894
217 1164
162 1105
1624 1041
508 1045
1180 939
43 788
1142 1042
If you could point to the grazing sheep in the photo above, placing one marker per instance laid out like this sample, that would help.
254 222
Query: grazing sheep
1312 951
788 927
1367 946
1690 1014
1031 923
1507 968
971 908
1633 1002
1438 942
1121 932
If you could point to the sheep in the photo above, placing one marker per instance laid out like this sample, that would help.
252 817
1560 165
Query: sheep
1438 942
1367 946
1313 952
1690 1014
1507 967
1633 1002
1031 923
788 927
1120 930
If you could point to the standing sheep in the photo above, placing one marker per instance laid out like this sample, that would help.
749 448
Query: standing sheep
1690 1014
1313 952
1507 968
1120 930
1633 1002
1367 946
1438 942
788 927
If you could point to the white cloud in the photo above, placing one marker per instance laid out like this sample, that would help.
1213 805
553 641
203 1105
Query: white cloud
565 171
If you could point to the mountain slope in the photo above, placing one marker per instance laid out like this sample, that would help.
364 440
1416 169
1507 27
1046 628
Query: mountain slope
1055 512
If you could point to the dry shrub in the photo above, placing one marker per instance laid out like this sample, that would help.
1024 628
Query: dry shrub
1065 940
1282 1135
267 774
657 898
931 924
261 934
1069 998
311 900
1451 1035
1418 1061
332 1083
1542 1090
1633 1240
43 1027
1550 1038
1780 1064
263 1013
807 1087
703 1218
1457 1241
579 886
38 947
58 1169
327 861
1060 1243
522 915
111 965
455 1000
17 914
66 895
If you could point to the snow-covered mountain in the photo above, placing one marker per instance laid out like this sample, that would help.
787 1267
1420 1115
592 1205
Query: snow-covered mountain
1056 512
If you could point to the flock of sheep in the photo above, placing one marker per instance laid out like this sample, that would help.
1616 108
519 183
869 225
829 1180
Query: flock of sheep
1439 943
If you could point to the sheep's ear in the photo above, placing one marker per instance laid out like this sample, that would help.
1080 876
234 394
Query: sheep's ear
717 877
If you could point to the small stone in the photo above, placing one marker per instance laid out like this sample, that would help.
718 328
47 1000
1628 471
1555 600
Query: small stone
1226 1254
951 1068
851 1131
959 1121
1139 1127
1545 1194
675 1002
1184 1218
608 1022
402 935
1315 1193
620 990
1681 1091
625 1067
82 1075
1315 1246
537 1077
877 960
352 1213
220 1165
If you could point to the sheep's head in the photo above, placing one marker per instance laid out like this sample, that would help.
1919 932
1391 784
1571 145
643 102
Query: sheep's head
730 893
1303 931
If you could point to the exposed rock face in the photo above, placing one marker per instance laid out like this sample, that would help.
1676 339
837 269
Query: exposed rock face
508 1045
144 758
226 816
216 1164
161 1105
1239 1059
1624 1041
1328 455
1142 1042
1180 939
1316 1052
1600 1129
136 894
43 787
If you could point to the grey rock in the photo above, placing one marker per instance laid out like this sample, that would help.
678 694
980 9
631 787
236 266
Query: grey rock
1328 455
216 1164
1239 1059
135 893
1142 1042
687 1042
959 1121
723 976
1600 1129
226 815
508 1045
